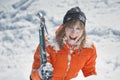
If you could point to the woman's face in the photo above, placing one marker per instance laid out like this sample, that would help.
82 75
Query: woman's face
73 33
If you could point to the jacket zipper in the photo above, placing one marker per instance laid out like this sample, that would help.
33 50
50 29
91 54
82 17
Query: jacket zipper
69 59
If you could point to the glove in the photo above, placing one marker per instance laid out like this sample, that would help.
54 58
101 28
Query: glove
46 71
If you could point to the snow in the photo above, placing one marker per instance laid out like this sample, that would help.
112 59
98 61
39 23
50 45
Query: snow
19 34
51 41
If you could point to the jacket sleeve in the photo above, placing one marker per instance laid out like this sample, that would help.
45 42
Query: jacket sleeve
89 67
36 65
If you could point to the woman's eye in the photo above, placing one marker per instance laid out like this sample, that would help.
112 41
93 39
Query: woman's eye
70 28
78 28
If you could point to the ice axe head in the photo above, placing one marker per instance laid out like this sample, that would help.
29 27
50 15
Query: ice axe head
40 15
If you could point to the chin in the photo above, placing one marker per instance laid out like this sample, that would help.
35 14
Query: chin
71 42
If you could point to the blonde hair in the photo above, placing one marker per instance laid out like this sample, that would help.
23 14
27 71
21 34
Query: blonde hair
61 33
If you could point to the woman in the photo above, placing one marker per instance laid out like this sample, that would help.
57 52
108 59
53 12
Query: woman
69 51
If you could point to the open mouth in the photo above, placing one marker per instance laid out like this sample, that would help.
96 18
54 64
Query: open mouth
72 38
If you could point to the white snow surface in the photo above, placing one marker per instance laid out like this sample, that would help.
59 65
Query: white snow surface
19 26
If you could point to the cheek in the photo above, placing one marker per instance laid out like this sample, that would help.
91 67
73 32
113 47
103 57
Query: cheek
67 33
80 34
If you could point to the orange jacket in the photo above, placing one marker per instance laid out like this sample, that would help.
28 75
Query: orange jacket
66 68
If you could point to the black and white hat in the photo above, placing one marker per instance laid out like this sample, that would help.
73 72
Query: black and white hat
74 14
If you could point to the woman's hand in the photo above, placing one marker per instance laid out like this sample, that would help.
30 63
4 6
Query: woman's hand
46 71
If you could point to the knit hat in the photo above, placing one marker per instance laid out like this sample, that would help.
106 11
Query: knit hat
74 14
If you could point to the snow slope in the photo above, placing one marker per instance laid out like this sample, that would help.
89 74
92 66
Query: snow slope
19 34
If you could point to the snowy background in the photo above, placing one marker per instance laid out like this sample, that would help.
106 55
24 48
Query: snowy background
19 34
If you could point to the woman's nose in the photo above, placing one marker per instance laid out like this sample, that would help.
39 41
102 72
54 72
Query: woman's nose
73 31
